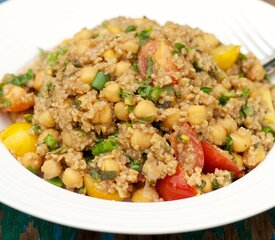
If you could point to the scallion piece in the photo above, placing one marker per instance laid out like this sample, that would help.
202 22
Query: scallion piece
56 181
51 142
206 89
215 184
245 92
103 175
105 146
100 79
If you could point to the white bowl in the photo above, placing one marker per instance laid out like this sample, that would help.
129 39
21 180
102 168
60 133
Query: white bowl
26 25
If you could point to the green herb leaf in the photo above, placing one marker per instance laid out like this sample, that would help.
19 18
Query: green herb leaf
135 164
223 100
149 70
197 67
146 119
21 80
203 183
103 175
105 146
228 144
50 87
55 181
246 111
32 170
206 89
241 75
51 142
135 66
127 97
144 36
52 58
178 47
267 129
245 92
36 128
61 150
241 56
215 184
100 79
28 117
230 95
267 77
130 28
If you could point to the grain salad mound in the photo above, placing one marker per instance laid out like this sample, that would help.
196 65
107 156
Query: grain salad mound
132 110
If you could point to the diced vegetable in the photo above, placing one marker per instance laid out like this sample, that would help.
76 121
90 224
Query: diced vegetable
226 56
28 117
105 146
55 181
20 80
206 89
51 142
130 28
103 175
144 36
100 79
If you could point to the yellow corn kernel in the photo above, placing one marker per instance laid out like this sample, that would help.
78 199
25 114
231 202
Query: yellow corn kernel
226 56
92 191
18 140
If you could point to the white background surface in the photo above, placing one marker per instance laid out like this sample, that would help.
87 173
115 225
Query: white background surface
29 24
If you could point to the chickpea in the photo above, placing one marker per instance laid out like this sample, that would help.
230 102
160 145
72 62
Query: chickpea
83 34
145 194
211 41
145 108
228 123
122 67
131 46
140 139
218 90
103 114
44 134
241 140
110 165
67 138
39 80
31 160
172 118
251 158
216 134
111 92
87 74
109 54
72 178
46 120
121 111
83 46
208 184
51 169
197 114
114 29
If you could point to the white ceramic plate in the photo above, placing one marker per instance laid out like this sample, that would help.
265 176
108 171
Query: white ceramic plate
26 25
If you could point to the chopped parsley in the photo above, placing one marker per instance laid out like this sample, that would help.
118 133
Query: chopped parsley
215 184
103 175
144 36
130 28
36 128
21 80
223 99
178 47
50 87
228 144
53 57
135 164
31 169
267 77
105 146
77 104
203 183
246 111
127 97
28 117
245 92
206 89
267 129
197 67
241 56
61 150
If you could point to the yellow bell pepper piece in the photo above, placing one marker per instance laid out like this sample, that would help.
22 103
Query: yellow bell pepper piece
18 140
92 191
226 56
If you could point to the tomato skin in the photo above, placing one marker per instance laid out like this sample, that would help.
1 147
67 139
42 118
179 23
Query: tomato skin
214 159
175 187
187 130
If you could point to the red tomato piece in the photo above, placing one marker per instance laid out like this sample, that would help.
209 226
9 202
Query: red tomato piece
160 52
214 159
175 187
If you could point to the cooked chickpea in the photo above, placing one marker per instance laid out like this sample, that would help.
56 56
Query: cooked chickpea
228 123
121 111
114 29
140 139
31 160
87 74
208 184
218 90
72 178
51 169
172 118
105 115
145 194
111 92
39 80
44 134
131 46
145 108
211 41
67 138
109 54
216 134
196 114
110 165
122 67
251 158
83 46
241 140
83 34
45 119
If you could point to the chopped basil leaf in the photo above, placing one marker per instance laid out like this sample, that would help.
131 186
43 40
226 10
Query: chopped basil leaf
245 92
100 79
51 142
228 144
232 174
105 146
215 184
28 117
144 36
55 181
130 28
36 128
103 175
206 89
